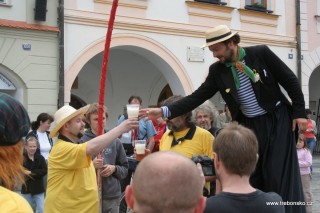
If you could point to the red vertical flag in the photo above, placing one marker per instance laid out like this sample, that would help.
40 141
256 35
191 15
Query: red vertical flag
103 85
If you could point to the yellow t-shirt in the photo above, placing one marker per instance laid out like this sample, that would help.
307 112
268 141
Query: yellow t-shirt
72 183
12 202
200 144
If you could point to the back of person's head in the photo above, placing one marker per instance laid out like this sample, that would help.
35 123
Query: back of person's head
167 182
14 125
173 99
43 117
208 108
237 147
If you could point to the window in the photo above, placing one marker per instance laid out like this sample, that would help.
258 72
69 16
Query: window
219 2
258 5
5 2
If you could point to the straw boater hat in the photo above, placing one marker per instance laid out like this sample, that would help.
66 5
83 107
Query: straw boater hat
65 114
218 34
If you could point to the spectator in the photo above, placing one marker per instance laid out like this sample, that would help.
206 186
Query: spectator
146 131
36 168
236 155
72 183
14 124
311 132
160 125
40 130
187 139
305 162
224 118
113 165
205 116
166 182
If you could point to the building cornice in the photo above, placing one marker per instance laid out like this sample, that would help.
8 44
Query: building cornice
95 19
27 26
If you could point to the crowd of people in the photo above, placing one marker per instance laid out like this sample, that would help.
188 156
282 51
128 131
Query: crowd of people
252 146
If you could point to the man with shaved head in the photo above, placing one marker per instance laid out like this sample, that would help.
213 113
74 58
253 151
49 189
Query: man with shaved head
159 185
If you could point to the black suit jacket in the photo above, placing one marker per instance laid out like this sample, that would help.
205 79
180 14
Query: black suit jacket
272 72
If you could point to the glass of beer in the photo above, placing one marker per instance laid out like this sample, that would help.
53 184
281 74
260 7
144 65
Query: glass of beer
133 110
140 147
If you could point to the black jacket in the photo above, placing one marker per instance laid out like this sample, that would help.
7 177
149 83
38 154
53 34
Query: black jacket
272 72
38 168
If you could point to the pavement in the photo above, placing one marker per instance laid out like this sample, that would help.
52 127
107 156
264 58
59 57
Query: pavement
315 184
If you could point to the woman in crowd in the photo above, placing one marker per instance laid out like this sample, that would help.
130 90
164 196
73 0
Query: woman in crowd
36 167
40 130
14 124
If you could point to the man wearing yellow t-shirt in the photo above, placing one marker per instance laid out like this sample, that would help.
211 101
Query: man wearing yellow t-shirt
71 176
185 138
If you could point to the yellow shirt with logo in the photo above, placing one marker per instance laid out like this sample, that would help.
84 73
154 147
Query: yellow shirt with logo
72 183
200 144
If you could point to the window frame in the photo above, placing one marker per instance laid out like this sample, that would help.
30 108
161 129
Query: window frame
5 2
258 5
216 2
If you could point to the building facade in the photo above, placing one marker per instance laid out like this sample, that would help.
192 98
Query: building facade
156 45
155 48
29 53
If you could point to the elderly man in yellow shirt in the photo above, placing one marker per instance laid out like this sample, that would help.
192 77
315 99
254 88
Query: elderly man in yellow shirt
71 176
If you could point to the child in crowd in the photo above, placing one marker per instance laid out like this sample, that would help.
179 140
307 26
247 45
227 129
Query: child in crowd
305 161
36 168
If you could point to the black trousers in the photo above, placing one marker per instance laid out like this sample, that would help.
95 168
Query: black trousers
277 168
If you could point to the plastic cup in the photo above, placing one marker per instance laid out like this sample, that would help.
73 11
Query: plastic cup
133 110
140 147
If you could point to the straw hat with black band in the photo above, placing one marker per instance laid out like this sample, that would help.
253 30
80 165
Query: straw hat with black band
65 114
218 34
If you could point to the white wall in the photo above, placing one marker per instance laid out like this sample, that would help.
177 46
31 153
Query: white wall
17 10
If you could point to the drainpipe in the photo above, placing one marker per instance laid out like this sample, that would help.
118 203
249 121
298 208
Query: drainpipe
298 33
61 53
